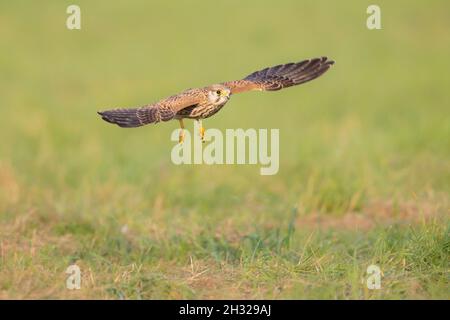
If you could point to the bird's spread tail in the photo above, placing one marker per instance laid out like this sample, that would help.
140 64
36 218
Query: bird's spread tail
136 117
126 118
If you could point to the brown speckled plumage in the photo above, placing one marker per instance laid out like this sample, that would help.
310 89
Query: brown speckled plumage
204 102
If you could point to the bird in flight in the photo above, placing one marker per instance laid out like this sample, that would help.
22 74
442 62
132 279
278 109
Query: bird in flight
201 103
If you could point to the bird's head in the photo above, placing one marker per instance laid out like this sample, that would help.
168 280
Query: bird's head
218 94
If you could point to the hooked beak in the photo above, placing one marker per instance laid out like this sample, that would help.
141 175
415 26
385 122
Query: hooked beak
225 94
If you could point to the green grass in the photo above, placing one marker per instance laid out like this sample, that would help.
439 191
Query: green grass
364 152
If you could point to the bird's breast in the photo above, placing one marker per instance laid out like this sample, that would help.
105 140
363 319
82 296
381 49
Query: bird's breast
201 111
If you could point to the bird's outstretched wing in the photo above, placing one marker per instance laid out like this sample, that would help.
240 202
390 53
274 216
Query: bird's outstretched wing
163 110
281 76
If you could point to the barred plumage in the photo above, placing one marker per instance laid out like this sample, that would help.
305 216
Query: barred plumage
131 118
199 111
281 76
204 102
287 75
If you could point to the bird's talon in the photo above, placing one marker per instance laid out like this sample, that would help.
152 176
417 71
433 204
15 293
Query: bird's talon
202 134
181 137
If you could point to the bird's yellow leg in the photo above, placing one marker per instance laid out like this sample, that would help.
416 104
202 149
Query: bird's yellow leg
181 136
201 130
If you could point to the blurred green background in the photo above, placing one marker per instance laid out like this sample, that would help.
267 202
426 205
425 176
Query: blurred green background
364 151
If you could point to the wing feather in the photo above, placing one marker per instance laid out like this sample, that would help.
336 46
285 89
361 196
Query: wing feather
163 110
268 79
281 76
184 99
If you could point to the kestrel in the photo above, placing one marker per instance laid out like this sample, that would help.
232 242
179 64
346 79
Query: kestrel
201 103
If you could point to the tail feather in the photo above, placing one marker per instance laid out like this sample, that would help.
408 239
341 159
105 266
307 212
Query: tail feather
136 117
125 118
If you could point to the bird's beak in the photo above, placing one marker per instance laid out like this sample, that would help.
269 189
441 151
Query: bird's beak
224 93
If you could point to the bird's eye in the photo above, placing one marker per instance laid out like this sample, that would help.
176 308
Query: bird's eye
218 92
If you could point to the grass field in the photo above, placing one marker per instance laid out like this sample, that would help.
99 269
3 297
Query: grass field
364 152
